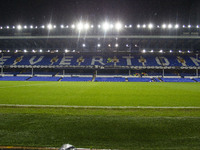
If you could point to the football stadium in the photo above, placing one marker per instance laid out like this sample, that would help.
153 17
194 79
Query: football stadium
98 84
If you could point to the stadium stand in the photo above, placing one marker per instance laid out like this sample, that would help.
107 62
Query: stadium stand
177 80
44 79
76 79
110 79
139 80
14 78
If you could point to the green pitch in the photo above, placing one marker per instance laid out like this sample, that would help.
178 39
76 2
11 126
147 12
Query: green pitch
149 128
100 94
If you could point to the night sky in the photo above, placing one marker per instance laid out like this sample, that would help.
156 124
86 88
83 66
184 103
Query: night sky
39 12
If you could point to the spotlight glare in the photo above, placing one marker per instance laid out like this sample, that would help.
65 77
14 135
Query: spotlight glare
170 51
79 26
31 27
19 27
138 26
66 50
144 26
150 26
118 26
62 26
7 27
169 26
197 26
116 45
49 26
164 26
105 26
189 26
86 26
83 45
130 26
43 26
143 51
176 26
161 51
73 26
98 45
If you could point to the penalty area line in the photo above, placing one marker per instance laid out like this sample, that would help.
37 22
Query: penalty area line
100 107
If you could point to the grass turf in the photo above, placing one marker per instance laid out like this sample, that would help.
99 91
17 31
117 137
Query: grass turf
101 128
100 94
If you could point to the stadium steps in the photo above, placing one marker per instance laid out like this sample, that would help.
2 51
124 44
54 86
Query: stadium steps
160 80
28 78
60 79
194 80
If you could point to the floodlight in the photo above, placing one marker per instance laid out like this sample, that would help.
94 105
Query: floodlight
19 27
49 26
54 26
116 45
143 51
98 45
161 51
183 26
31 27
66 50
92 26
99 26
25 51
8 51
40 50
130 26
189 26
109 45
164 26
170 51
105 26
179 51
79 26
67 26
169 26
7 27
36 27
188 51
197 26
33 51
62 26
127 45
73 26
25 27
16 51
1 27
56 51
43 26
158 26
74 50
144 26
150 26
138 26
83 45
151 51
86 26
118 26
176 26
48 51
111 26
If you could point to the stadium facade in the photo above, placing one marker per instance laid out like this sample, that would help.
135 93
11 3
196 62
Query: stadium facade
104 52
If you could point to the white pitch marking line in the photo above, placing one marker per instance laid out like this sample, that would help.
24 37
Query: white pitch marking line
100 107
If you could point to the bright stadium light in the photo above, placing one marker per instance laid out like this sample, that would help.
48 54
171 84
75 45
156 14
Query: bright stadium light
48 51
169 26
118 26
99 26
40 50
143 51
66 50
111 26
158 26
144 26
36 27
33 51
1 27
130 26
7 27
151 51
188 51
176 26
54 26
19 27
62 26
42 26
105 26
83 45
92 26
98 45
161 51
116 45
31 27
138 26
189 26
109 45
16 51
73 26
164 26
80 26
25 27
183 26
127 45
86 26
179 51
150 26
197 26
8 51
170 51
49 26
25 51
67 26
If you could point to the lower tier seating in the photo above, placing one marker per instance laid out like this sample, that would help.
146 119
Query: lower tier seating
13 78
77 79
44 79
110 79
139 79
177 80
